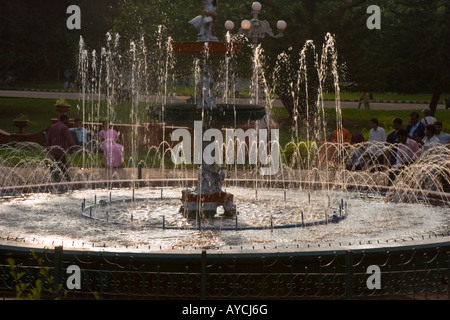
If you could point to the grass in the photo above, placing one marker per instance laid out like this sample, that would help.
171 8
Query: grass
40 111
389 96
186 90
362 117
40 85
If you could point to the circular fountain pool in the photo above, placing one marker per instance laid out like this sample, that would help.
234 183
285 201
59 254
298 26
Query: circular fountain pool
152 221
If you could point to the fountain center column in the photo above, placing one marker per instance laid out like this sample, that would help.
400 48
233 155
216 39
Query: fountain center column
208 195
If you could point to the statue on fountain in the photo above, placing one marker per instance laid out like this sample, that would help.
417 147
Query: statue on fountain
205 25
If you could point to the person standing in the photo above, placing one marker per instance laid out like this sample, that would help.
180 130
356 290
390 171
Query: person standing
59 141
364 98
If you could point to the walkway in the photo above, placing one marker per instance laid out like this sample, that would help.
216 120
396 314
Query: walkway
345 104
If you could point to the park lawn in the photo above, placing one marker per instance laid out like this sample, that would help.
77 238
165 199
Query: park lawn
389 96
39 112
189 90
362 117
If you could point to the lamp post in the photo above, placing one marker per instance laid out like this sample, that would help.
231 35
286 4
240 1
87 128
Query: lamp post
254 30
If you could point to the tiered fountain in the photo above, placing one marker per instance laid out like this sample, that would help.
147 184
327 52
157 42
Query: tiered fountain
267 212
309 196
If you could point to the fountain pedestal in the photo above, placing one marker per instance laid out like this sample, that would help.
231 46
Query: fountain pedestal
205 205
208 195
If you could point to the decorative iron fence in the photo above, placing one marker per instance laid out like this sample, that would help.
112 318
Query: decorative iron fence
421 271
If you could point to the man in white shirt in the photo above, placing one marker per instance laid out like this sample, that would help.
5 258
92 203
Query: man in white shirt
443 137
430 140
427 117
377 140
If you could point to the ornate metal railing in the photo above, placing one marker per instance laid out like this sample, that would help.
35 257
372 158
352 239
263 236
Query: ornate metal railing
421 271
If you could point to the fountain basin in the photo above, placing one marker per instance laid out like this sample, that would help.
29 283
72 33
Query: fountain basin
48 218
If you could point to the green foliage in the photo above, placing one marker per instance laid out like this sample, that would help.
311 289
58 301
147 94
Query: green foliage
61 102
301 155
408 54
22 116
31 39
35 41
40 111
43 285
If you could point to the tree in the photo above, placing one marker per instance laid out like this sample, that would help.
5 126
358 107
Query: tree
35 42
408 54
30 37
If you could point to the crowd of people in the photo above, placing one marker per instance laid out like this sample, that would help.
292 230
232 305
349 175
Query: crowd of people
61 140
401 147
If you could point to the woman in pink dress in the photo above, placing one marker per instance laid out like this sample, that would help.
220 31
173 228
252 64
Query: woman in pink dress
112 152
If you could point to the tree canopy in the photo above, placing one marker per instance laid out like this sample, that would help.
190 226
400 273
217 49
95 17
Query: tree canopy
410 53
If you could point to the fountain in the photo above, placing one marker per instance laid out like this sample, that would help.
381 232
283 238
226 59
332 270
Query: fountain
297 175
298 170
284 205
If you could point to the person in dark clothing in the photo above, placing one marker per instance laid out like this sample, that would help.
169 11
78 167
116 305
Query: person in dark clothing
59 141
415 128
392 140
356 136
